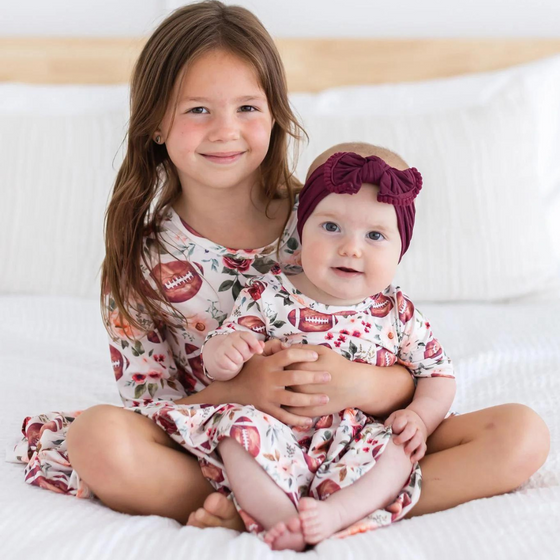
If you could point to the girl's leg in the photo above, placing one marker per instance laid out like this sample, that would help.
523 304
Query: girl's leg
374 490
134 467
481 454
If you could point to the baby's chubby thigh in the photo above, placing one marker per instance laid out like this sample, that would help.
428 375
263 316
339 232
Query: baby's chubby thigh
272 443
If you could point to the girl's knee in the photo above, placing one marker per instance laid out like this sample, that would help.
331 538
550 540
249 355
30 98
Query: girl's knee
97 444
525 441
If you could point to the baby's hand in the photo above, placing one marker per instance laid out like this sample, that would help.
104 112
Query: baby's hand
409 428
225 357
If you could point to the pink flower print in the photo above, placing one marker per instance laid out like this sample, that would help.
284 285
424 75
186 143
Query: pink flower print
241 265
344 331
159 358
155 375
337 343
329 336
276 270
342 338
256 289
139 377
357 334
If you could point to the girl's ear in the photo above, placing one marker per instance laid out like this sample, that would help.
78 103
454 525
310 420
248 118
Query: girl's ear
158 137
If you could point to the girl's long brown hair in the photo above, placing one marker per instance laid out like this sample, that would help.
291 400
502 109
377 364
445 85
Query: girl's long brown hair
147 182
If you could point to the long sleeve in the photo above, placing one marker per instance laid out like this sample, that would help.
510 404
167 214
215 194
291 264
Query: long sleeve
144 367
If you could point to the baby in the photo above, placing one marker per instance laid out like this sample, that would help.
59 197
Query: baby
355 219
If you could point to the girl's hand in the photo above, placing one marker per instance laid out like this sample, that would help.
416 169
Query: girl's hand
343 390
224 355
411 431
375 390
265 383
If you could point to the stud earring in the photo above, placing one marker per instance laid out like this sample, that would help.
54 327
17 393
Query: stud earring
158 139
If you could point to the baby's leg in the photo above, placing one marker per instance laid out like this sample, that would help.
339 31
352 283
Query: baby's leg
376 489
261 497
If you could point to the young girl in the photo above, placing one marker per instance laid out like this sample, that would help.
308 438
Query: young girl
202 202
353 236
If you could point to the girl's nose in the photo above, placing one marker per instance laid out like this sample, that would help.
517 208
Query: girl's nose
350 247
224 129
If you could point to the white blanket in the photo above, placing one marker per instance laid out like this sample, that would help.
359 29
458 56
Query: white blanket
54 356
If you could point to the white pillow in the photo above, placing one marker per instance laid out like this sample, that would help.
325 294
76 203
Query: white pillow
487 148
60 149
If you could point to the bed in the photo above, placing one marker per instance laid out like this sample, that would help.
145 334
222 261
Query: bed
481 119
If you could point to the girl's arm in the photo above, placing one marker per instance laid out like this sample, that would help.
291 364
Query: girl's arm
265 383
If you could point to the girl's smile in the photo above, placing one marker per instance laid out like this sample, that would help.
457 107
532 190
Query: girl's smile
217 132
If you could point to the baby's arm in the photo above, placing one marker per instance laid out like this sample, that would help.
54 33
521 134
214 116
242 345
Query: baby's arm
224 355
423 415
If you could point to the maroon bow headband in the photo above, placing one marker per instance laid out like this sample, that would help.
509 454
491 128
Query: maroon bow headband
345 172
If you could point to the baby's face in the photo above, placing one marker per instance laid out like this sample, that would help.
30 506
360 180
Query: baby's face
351 247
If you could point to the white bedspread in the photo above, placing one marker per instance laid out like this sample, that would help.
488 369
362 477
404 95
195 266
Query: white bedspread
54 356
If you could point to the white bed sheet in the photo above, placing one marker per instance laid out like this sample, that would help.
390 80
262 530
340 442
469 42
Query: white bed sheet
54 356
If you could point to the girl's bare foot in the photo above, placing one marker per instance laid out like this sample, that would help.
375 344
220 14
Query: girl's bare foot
286 536
318 520
217 511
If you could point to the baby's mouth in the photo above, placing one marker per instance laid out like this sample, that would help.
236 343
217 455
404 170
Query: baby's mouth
347 270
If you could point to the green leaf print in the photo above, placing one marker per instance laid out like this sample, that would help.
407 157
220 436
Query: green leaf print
292 244
262 265
353 349
139 390
230 271
138 347
152 389
225 286
237 287
279 324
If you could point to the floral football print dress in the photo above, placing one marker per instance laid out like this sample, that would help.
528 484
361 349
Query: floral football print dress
338 448
201 280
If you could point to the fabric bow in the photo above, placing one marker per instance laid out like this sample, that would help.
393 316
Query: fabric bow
345 172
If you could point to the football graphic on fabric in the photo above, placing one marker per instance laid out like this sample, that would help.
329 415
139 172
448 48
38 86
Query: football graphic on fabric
244 431
405 308
385 358
179 279
381 306
432 350
307 320
117 362
253 323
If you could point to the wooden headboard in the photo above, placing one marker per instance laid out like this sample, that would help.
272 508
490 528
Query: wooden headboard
311 64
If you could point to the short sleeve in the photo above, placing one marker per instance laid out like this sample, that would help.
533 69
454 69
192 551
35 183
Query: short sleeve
419 350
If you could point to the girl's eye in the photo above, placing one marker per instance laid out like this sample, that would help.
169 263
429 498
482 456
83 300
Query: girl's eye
330 226
247 108
375 236
197 110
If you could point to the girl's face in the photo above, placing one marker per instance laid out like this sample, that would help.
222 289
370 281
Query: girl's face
218 132
350 247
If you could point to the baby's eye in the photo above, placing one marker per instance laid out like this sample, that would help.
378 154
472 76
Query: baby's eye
247 108
375 236
330 226
197 110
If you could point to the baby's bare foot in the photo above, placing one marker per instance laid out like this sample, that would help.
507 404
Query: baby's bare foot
318 520
217 511
286 536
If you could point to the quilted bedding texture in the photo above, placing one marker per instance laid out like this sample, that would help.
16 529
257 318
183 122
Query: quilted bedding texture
54 356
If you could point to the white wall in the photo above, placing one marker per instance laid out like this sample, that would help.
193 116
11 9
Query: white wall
375 18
